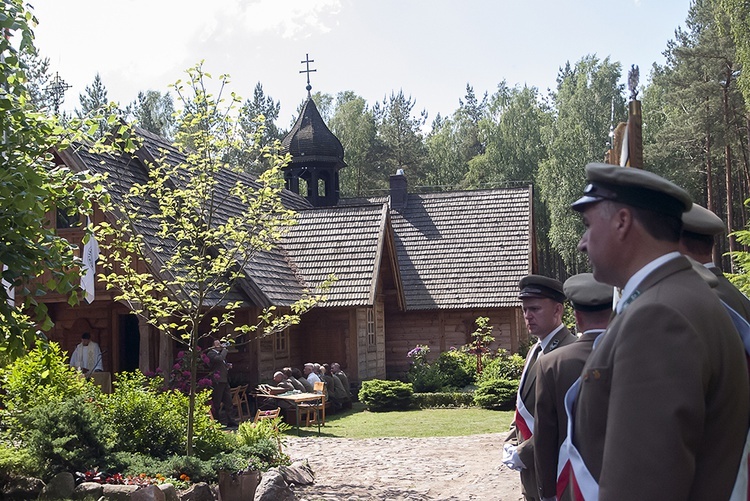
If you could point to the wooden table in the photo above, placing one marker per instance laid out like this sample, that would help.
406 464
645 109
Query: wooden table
296 399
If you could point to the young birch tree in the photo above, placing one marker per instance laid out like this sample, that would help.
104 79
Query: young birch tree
210 221
33 259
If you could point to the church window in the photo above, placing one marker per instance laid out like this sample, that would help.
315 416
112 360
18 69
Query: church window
67 218
281 343
370 328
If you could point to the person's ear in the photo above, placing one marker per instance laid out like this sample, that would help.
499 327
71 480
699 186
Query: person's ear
623 221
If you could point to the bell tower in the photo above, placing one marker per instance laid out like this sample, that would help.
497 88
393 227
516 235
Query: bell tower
317 154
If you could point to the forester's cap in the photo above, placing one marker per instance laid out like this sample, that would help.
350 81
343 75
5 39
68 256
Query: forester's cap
538 286
634 187
586 294
702 221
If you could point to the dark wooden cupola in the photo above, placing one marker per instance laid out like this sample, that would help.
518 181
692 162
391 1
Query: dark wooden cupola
317 158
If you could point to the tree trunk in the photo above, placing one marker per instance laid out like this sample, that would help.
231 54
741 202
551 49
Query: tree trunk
710 204
193 385
728 165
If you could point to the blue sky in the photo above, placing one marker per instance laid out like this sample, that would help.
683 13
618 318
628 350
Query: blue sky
429 49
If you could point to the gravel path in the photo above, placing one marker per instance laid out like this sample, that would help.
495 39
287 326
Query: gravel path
400 469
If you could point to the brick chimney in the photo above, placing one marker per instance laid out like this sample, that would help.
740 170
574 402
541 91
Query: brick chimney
398 190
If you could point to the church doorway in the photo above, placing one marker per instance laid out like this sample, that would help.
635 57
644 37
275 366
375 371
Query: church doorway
130 343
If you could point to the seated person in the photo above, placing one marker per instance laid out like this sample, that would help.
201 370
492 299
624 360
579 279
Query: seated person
329 388
336 369
311 373
297 374
281 385
297 385
340 393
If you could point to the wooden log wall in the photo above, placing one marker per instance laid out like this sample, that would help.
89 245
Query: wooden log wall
442 330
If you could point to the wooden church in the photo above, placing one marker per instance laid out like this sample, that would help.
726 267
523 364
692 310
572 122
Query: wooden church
411 269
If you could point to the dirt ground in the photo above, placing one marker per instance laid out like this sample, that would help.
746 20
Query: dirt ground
400 469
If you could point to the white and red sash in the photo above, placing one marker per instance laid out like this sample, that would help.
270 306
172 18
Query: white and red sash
741 491
570 466
524 419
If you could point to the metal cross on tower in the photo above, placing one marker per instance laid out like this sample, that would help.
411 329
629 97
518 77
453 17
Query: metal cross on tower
57 89
307 70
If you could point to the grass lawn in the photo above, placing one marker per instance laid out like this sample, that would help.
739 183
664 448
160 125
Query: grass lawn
360 423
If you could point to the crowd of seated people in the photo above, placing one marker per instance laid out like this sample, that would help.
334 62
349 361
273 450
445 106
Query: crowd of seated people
336 387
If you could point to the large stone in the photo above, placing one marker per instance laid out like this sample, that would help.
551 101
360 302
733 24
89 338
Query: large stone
238 487
298 473
88 491
198 492
61 486
118 492
19 487
273 487
147 493
170 493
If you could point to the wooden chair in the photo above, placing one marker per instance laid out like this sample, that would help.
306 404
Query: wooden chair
270 414
236 402
240 401
316 410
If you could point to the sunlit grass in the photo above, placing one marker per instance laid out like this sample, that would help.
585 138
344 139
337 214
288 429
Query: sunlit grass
359 423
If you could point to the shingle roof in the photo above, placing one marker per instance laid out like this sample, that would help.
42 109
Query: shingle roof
273 279
270 278
311 139
455 250
464 249
344 241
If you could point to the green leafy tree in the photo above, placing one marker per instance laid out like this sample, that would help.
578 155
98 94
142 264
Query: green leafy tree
583 103
400 135
37 75
154 112
454 141
32 186
511 131
212 221
258 119
737 13
695 112
353 122
93 98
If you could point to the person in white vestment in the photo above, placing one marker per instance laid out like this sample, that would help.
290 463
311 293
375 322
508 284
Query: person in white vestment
87 356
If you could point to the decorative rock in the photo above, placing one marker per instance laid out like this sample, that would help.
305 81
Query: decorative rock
273 488
118 492
148 493
198 492
22 488
238 487
170 493
88 490
299 472
61 486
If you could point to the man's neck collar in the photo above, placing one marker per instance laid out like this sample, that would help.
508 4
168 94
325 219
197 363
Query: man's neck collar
546 340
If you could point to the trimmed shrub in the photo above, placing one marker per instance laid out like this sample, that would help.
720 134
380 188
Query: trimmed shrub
458 368
16 460
40 377
497 394
380 395
429 400
72 435
145 421
263 441
151 421
503 366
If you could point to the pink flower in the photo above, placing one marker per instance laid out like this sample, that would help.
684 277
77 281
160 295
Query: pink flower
186 373
176 367
180 354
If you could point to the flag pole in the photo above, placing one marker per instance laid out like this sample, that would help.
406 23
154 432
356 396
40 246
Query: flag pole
626 139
